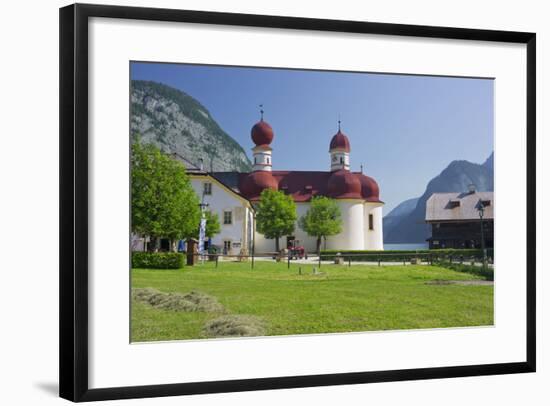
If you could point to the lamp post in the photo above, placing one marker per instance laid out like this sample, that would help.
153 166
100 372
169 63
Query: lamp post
481 211
253 237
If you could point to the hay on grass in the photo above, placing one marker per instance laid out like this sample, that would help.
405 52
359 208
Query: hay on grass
190 302
235 326
439 282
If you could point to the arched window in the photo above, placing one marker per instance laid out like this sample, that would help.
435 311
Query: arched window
341 159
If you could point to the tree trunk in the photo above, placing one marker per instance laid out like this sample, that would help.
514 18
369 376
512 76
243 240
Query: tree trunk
277 244
319 245
152 244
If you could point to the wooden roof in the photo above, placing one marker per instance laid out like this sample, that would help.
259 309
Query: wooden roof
459 206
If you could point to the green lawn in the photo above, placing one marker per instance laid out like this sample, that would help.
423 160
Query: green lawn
343 299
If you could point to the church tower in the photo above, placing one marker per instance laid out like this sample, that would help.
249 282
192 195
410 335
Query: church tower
262 135
261 177
339 151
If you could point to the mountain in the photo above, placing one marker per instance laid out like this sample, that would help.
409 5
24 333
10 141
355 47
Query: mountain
177 123
411 228
397 214
489 163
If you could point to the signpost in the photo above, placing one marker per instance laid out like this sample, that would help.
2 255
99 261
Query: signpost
202 229
202 234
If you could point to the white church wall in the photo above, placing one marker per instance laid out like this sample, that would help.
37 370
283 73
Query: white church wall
263 245
309 243
373 238
355 217
221 200
352 235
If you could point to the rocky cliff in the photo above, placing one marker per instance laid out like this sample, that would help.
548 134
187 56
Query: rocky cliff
176 122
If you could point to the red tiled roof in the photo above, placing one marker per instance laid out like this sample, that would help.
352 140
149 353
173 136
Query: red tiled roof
343 184
303 185
262 133
253 184
369 187
340 141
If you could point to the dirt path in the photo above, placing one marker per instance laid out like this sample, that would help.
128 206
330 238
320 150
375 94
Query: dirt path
470 282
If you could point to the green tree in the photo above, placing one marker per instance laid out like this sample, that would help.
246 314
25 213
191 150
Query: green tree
212 225
275 215
164 205
322 219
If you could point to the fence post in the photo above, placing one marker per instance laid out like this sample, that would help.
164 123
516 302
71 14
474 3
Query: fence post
288 262
319 260
349 261
217 256
378 261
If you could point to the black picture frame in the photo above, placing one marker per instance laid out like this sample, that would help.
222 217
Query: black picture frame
73 281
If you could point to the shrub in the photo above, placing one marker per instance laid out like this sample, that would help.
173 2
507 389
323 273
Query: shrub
213 249
486 273
405 255
157 260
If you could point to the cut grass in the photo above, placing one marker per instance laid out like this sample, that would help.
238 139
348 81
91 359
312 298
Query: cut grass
235 326
342 299
190 302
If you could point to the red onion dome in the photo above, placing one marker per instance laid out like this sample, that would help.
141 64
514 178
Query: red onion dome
340 141
253 184
369 188
344 184
262 133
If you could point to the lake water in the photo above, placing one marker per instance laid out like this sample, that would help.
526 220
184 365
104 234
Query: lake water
420 246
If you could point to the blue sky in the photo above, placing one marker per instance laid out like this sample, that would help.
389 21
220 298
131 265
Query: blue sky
403 129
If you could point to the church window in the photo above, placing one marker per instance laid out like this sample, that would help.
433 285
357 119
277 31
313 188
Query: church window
207 188
341 160
371 222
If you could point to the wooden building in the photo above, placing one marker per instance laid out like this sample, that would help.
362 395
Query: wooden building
455 219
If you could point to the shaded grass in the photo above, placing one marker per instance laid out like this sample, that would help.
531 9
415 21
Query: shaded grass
342 299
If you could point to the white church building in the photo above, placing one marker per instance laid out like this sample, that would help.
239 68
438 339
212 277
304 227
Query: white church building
232 195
